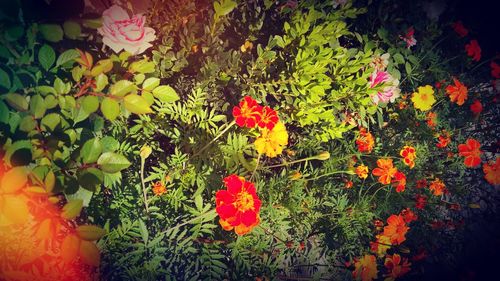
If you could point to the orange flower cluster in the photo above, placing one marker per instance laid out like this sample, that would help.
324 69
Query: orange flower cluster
238 206
471 150
457 93
432 119
159 188
365 269
443 139
396 229
409 154
250 114
492 172
362 171
396 267
388 174
365 141
437 187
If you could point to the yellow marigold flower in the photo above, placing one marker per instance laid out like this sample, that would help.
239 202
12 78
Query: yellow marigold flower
271 142
424 98
362 171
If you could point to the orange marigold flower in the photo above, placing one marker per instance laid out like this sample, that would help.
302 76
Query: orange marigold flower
457 93
409 154
437 187
492 172
420 201
473 50
396 266
381 245
399 181
460 29
159 188
396 229
362 171
408 215
268 118
248 113
348 184
476 107
432 119
443 140
365 269
238 206
385 171
365 141
471 150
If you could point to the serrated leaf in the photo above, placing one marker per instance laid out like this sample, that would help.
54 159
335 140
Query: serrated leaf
91 151
27 124
166 94
37 106
122 88
50 181
137 104
51 32
90 232
150 83
110 108
67 56
72 209
90 104
101 66
90 178
16 101
46 56
101 81
89 253
51 121
111 162
4 79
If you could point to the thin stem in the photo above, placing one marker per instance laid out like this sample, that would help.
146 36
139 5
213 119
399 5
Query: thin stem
290 163
209 213
256 166
216 138
144 185
331 173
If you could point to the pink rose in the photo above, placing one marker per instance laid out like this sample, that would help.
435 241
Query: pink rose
120 32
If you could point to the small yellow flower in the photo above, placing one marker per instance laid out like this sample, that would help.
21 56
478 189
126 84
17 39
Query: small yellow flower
424 98
271 142
362 171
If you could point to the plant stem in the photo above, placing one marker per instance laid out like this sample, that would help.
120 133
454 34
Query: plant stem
144 193
216 138
256 166
290 163
331 173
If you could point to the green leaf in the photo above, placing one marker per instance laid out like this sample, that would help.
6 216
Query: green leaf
27 124
101 81
121 88
137 104
72 209
4 79
224 7
14 33
166 94
19 153
13 180
110 108
91 151
72 29
51 32
90 104
408 68
398 58
90 232
109 144
144 231
51 121
67 56
102 66
90 178
150 83
4 113
17 101
46 56
142 66
111 162
37 106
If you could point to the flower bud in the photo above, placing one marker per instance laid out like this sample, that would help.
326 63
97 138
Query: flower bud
145 151
324 155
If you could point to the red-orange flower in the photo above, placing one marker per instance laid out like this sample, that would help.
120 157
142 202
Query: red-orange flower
348 184
396 229
492 172
409 154
399 181
443 140
238 206
248 113
457 93
460 29
385 171
365 141
495 70
476 107
471 150
396 266
420 201
408 215
365 268
473 50
268 118
437 187
432 119
422 183
159 188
